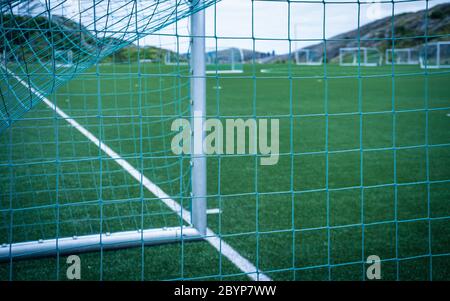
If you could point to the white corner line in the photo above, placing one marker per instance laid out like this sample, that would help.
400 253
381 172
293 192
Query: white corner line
221 246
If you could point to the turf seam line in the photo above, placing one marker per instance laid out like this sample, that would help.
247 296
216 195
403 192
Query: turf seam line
212 238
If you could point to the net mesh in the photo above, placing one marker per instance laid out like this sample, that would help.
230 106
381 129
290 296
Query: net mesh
363 158
405 56
46 43
308 57
436 55
87 192
363 56
223 60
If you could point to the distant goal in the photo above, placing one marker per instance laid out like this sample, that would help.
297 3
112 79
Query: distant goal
63 58
435 55
224 61
402 56
174 59
360 56
308 57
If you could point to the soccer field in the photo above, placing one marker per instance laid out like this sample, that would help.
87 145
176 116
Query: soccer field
363 170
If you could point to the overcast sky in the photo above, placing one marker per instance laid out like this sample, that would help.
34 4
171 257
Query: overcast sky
234 22
233 19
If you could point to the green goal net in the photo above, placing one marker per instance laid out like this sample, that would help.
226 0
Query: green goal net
46 43
225 140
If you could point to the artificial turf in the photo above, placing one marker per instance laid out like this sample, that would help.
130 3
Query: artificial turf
363 170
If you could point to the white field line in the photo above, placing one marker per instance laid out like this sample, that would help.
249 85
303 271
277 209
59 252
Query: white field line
225 249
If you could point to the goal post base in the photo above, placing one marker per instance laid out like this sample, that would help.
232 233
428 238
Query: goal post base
96 242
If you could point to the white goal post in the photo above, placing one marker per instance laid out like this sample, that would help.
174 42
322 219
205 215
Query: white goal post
435 55
63 58
88 243
194 222
305 56
218 60
360 56
308 57
402 56
174 59
224 60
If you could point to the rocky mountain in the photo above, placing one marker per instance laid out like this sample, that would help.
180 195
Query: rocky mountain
407 30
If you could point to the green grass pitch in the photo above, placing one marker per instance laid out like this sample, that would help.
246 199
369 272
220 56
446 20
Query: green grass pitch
363 170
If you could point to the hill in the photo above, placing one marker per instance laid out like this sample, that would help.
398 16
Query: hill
409 31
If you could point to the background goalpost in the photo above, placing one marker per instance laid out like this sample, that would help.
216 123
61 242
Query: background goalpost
63 58
308 57
435 55
305 56
220 60
174 59
402 56
363 56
